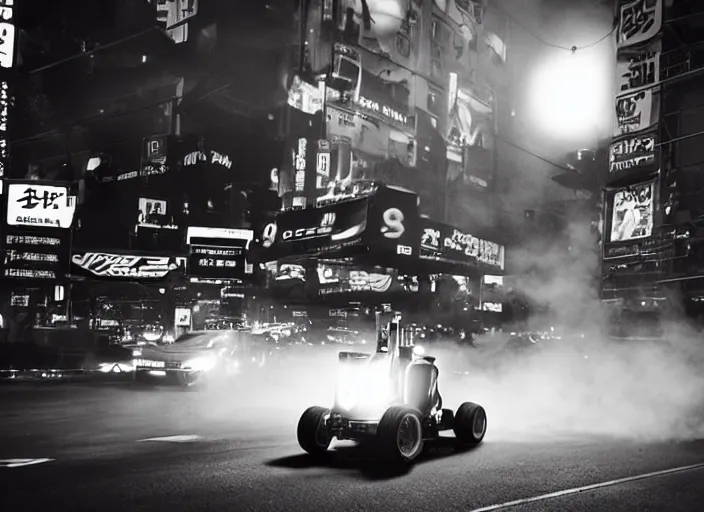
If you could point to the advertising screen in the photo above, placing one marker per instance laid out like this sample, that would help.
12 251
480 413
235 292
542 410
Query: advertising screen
633 154
35 255
632 213
33 204
335 278
446 244
317 230
218 253
126 266
385 223
153 213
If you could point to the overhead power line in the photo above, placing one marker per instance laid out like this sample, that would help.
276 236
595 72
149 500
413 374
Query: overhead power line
93 51
572 49
534 155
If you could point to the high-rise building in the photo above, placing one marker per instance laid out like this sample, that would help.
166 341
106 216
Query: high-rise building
653 185
411 103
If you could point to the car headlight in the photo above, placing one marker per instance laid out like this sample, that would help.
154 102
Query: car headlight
199 364
151 336
369 386
115 367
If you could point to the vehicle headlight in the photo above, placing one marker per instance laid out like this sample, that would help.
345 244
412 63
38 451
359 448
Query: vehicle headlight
199 364
115 367
367 387
151 336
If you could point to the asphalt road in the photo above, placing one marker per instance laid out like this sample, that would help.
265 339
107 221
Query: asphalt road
237 453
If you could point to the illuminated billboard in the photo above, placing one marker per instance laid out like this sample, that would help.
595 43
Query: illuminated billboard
632 213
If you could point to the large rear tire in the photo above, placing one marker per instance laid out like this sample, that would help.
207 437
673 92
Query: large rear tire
313 435
400 434
470 424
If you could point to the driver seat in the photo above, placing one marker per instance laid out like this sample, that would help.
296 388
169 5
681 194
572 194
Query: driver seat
421 388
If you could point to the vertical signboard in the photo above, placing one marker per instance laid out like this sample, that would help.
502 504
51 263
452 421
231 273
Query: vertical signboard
7 34
639 21
4 123
8 40
36 235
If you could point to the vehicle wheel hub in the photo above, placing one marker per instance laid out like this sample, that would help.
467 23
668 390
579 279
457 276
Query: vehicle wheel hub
409 435
479 424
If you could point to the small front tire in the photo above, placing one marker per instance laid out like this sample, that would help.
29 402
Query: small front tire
400 434
313 435
470 424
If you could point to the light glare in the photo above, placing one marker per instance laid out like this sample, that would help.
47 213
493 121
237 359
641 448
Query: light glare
569 95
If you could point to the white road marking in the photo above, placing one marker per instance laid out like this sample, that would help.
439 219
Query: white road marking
17 463
173 439
576 490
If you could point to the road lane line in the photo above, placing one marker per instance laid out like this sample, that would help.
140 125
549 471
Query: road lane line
173 439
18 463
586 488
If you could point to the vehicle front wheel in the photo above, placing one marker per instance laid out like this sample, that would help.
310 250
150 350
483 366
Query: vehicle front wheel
313 435
470 423
400 434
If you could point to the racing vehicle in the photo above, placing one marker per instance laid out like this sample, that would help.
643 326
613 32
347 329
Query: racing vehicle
199 357
390 398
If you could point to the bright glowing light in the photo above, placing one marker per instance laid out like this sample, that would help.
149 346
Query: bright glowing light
571 94
369 385
418 350
151 336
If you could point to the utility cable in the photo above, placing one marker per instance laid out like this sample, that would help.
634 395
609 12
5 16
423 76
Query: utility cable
534 155
91 52
572 49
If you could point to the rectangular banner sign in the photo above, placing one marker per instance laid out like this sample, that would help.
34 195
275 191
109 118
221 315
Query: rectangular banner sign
638 21
317 230
632 210
153 213
384 222
35 254
636 112
30 203
653 247
444 243
633 153
638 67
126 266
337 279
218 253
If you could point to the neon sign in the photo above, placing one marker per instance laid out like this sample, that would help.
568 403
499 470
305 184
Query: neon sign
4 139
7 33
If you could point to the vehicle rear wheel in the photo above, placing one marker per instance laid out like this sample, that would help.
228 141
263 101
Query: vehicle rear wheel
400 434
313 435
470 423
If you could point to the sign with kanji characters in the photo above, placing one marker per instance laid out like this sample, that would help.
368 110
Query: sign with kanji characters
40 205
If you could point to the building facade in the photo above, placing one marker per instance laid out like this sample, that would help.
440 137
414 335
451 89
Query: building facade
411 103
651 196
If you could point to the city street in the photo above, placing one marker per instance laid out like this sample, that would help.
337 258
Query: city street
121 447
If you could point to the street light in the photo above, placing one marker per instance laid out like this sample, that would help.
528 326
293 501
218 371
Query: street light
571 94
